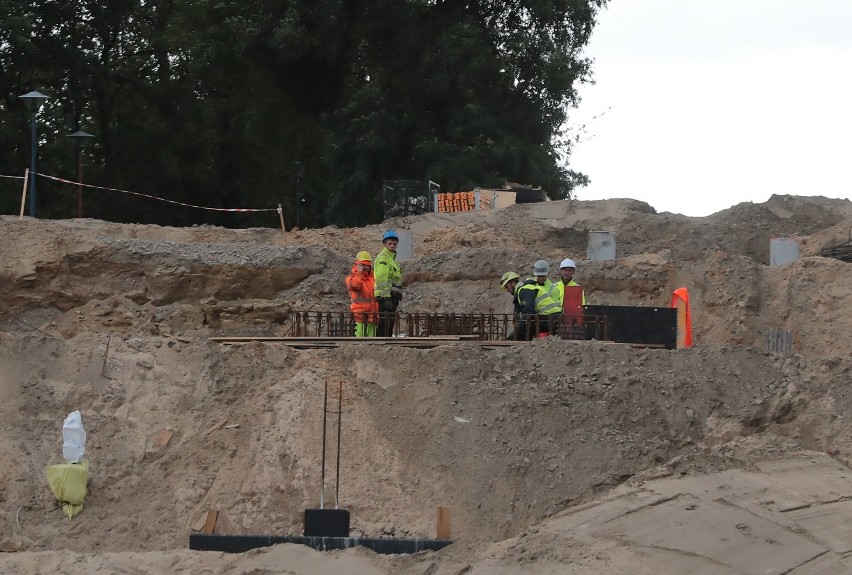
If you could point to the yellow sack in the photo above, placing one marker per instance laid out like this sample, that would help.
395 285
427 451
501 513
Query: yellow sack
68 482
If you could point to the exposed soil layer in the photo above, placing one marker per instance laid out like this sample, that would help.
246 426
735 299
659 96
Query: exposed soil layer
115 320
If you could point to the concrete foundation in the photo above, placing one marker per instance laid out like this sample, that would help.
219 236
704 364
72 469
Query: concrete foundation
242 543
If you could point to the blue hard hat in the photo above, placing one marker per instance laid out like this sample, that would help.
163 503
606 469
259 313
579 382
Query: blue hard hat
390 234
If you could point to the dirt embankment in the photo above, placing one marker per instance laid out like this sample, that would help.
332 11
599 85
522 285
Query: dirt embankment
505 438
115 320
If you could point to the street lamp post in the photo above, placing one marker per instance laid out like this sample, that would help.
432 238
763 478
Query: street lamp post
298 172
33 100
79 137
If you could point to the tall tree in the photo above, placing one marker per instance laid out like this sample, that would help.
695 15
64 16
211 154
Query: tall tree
212 101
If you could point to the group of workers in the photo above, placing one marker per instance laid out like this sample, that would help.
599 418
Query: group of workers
539 302
375 290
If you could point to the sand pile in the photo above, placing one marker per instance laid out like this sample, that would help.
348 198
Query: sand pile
114 320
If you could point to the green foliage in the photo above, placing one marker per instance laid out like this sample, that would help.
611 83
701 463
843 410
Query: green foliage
210 102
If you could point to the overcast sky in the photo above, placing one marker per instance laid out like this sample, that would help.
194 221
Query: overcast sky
703 104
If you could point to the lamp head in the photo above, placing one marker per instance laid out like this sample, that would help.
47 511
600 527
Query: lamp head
298 169
33 100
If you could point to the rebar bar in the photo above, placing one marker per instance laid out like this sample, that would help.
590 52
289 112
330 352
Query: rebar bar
779 341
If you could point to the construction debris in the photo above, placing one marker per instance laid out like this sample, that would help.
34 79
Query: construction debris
842 252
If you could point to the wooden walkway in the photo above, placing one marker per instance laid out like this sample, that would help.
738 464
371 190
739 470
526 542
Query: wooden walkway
322 342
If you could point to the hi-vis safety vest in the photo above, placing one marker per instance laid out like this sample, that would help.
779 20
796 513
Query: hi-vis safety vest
516 294
547 300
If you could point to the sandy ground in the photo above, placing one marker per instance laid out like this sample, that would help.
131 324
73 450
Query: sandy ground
556 457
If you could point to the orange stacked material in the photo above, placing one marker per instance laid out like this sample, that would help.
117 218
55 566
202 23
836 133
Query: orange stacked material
461 202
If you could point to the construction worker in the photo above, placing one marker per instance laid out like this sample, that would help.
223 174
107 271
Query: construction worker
566 271
573 322
540 302
361 284
388 284
511 282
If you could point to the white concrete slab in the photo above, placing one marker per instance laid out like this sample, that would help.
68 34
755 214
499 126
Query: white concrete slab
720 534
665 561
817 478
755 492
769 504
582 521
828 564
830 524
791 516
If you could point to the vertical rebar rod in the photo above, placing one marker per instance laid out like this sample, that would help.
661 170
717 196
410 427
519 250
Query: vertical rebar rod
324 418
339 420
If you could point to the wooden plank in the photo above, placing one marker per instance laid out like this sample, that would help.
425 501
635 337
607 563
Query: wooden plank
215 427
210 522
199 524
444 527
441 338
420 345
417 342
163 438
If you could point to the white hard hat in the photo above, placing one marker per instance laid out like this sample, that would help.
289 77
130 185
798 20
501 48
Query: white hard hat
541 268
567 263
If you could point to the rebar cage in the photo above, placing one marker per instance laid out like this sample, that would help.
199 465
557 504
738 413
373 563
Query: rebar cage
487 327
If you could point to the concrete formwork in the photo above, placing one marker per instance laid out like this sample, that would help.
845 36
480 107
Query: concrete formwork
601 246
783 251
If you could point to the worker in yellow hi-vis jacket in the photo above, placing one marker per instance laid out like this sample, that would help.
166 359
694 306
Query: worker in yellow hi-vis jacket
388 283
566 271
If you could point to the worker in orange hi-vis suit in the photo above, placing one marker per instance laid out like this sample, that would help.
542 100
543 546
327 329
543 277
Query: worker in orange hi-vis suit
361 285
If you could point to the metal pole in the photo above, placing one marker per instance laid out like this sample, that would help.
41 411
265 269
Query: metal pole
298 173
33 100
33 164
299 202
78 136
79 182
